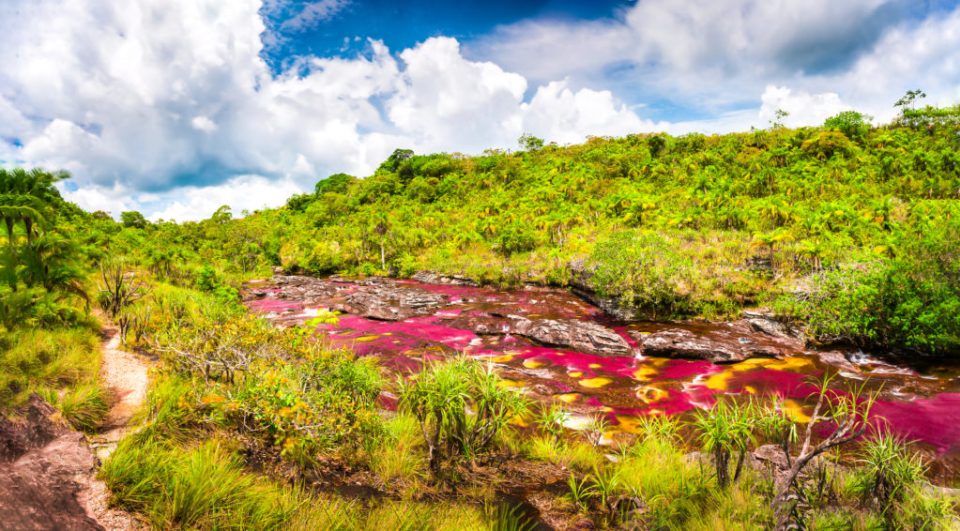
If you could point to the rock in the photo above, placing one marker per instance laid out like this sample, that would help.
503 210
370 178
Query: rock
429 277
572 334
769 455
767 323
716 342
42 465
393 303
35 429
685 344
39 490
839 360
584 336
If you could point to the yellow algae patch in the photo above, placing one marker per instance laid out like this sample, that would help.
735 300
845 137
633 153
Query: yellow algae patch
628 424
594 383
502 359
651 394
794 411
533 364
568 398
750 389
518 421
719 381
595 365
790 364
366 339
508 384
574 374
644 373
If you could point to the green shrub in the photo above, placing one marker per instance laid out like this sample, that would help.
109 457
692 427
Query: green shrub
460 406
644 271
853 124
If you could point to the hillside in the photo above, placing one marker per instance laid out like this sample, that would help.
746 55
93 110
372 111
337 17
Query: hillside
847 228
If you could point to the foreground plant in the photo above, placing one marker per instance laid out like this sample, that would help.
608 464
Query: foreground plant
848 414
460 407
725 430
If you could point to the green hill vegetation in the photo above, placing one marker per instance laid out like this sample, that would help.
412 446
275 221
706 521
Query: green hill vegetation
850 229
853 231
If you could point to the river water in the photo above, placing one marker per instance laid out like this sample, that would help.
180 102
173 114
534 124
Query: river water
920 404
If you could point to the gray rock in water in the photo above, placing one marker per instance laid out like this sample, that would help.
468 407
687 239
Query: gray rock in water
717 342
584 336
429 277
572 334
393 303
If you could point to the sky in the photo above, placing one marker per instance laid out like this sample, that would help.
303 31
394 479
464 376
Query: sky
176 107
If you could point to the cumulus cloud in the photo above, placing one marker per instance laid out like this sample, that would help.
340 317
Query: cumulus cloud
168 106
173 98
716 57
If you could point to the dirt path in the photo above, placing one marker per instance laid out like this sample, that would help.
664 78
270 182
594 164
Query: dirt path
125 376
48 471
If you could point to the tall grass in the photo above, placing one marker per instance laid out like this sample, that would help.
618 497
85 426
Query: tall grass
62 366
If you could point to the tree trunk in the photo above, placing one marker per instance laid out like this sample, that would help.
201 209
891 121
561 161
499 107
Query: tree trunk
383 256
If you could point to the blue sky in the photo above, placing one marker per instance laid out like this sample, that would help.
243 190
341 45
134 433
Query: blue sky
403 24
175 107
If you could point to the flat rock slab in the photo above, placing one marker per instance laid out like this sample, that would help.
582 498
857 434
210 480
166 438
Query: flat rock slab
719 342
393 303
571 334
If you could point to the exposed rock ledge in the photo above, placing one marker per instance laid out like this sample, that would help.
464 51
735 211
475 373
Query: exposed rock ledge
720 342
573 334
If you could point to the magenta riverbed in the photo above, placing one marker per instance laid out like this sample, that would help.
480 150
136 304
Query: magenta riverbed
918 406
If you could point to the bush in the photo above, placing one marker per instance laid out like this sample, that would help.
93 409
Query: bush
460 407
853 124
47 361
320 401
644 271
909 301
514 237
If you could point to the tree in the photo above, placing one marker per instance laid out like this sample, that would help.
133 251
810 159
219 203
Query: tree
778 118
133 219
222 215
529 142
27 197
393 162
908 99
851 123
338 182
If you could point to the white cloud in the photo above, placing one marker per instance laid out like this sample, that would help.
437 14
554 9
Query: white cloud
167 106
802 108
202 123
247 192
159 95
715 57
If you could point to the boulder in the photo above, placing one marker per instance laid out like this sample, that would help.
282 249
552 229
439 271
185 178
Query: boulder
572 334
716 342
429 277
392 303
583 336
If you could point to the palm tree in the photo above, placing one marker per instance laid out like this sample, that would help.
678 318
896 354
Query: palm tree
27 197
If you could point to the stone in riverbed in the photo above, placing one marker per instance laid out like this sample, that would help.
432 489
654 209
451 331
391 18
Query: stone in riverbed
392 303
719 342
573 334
583 336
